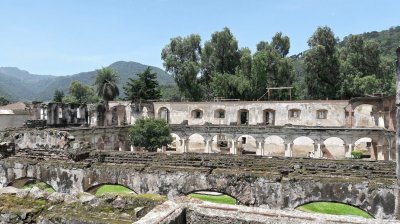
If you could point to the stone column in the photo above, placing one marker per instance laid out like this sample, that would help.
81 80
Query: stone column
183 145
288 151
348 150
260 149
380 153
232 150
208 143
374 151
317 151
397 209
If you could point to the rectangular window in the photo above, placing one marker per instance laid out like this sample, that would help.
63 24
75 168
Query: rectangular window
198 114
322 114
222 114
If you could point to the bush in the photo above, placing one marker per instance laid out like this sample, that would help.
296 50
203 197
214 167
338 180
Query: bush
356 154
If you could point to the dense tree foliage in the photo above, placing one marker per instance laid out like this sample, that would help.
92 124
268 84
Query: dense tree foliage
321 65
80 93
106 84
58 96
3 101
150 133
144 88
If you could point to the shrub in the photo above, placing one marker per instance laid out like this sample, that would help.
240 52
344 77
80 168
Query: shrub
356 154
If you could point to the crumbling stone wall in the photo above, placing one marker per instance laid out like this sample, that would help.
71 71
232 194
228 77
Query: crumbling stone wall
277 184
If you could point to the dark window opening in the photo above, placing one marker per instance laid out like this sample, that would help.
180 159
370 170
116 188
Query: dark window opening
244 139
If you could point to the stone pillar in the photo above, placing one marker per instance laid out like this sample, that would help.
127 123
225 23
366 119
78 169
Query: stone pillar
232 150
380 152
208 143
317 151
288 151
374 150
349 149
260 149
397 209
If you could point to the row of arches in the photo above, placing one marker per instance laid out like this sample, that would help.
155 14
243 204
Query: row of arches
303 146
210 195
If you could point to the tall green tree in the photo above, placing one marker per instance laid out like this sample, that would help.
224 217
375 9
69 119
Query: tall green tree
182 59
150 133
144 88
80 93
106 84
221 54
321 65
58 96
281 44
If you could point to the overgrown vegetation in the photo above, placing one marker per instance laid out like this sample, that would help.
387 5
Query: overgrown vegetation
221 199
150 133
357 154
41 185
333 209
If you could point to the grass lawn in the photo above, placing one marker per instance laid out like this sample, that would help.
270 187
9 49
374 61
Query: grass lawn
109 188
333 209
221 199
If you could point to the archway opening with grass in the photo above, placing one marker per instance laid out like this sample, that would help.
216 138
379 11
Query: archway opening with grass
28 183
101 189
333 208
213 196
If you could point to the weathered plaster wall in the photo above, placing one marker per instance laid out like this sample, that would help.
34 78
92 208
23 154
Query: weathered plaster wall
13 120
181 111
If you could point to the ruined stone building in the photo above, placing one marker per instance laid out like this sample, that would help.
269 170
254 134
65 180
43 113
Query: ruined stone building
319 129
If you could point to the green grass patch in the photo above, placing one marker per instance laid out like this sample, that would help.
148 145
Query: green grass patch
41 185
109 188
221 199
333 209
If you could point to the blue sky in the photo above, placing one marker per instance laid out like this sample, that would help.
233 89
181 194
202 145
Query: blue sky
64 37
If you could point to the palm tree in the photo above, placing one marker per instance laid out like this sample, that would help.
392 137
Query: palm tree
106 85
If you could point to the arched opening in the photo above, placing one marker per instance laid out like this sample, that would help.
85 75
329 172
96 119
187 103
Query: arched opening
269 117
213 196
114 116
247 144
163 113
175 144
28 183
197 114
294 114
365 146
366 115
196 144
243 117
334 148
333 208
274 146
220 113
303 147
221 144
101 189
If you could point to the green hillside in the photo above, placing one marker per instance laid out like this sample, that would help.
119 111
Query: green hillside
21 85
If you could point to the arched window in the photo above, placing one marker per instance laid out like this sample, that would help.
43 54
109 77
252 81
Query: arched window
269 117
163 113
220 113
322 114
294 113
197 114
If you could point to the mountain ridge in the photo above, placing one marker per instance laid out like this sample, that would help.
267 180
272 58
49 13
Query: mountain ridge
42 87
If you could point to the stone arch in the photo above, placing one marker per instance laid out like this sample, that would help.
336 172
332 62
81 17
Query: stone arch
338 202
269 117
274 146
334 148
243 117
221 143
196 143
302 147
175 145
164 113
213 191
247 144
366 115
366 146
22 181
93 188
